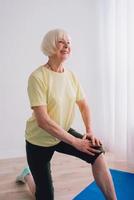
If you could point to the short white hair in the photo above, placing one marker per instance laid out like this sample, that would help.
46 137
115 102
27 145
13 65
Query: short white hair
48 45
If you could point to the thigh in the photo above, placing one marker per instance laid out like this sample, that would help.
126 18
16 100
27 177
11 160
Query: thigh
39 162
65 148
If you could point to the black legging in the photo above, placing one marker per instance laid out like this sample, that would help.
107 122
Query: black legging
39 162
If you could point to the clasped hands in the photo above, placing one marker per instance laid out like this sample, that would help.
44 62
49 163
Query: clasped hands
92 139
94 144
88 144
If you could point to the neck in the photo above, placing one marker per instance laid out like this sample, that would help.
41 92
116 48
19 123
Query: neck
55 65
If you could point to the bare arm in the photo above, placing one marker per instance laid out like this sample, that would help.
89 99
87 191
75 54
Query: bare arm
46 123
85 113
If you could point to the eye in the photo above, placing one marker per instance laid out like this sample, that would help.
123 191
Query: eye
60 41
64 42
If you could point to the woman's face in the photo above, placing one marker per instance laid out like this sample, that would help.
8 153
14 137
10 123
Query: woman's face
63 49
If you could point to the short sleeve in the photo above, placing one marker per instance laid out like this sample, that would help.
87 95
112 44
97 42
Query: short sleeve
37 91
80 92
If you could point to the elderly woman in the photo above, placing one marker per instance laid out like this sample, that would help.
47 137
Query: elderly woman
53 92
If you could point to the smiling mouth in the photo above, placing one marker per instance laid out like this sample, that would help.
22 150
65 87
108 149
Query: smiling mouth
64 52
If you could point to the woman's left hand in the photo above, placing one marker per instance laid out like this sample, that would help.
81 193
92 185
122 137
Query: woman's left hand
94 140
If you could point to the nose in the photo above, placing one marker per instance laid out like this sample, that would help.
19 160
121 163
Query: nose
65 45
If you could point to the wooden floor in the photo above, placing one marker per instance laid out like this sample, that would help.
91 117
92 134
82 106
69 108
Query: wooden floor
70 176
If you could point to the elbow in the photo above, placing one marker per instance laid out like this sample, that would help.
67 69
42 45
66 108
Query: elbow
42 123
83 108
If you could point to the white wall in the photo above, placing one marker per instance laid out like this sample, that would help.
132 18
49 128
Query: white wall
23 24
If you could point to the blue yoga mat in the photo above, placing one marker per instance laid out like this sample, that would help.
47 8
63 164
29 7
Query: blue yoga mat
124 186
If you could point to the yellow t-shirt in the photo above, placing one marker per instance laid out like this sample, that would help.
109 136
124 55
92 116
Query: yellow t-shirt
59 92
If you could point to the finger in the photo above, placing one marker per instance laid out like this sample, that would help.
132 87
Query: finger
97 142
95 150
89 152
100 142
93 141
90 143
84 137
87 137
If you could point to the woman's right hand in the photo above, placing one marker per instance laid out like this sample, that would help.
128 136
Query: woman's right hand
85 146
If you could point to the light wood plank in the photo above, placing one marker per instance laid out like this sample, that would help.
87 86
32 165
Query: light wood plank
70 176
